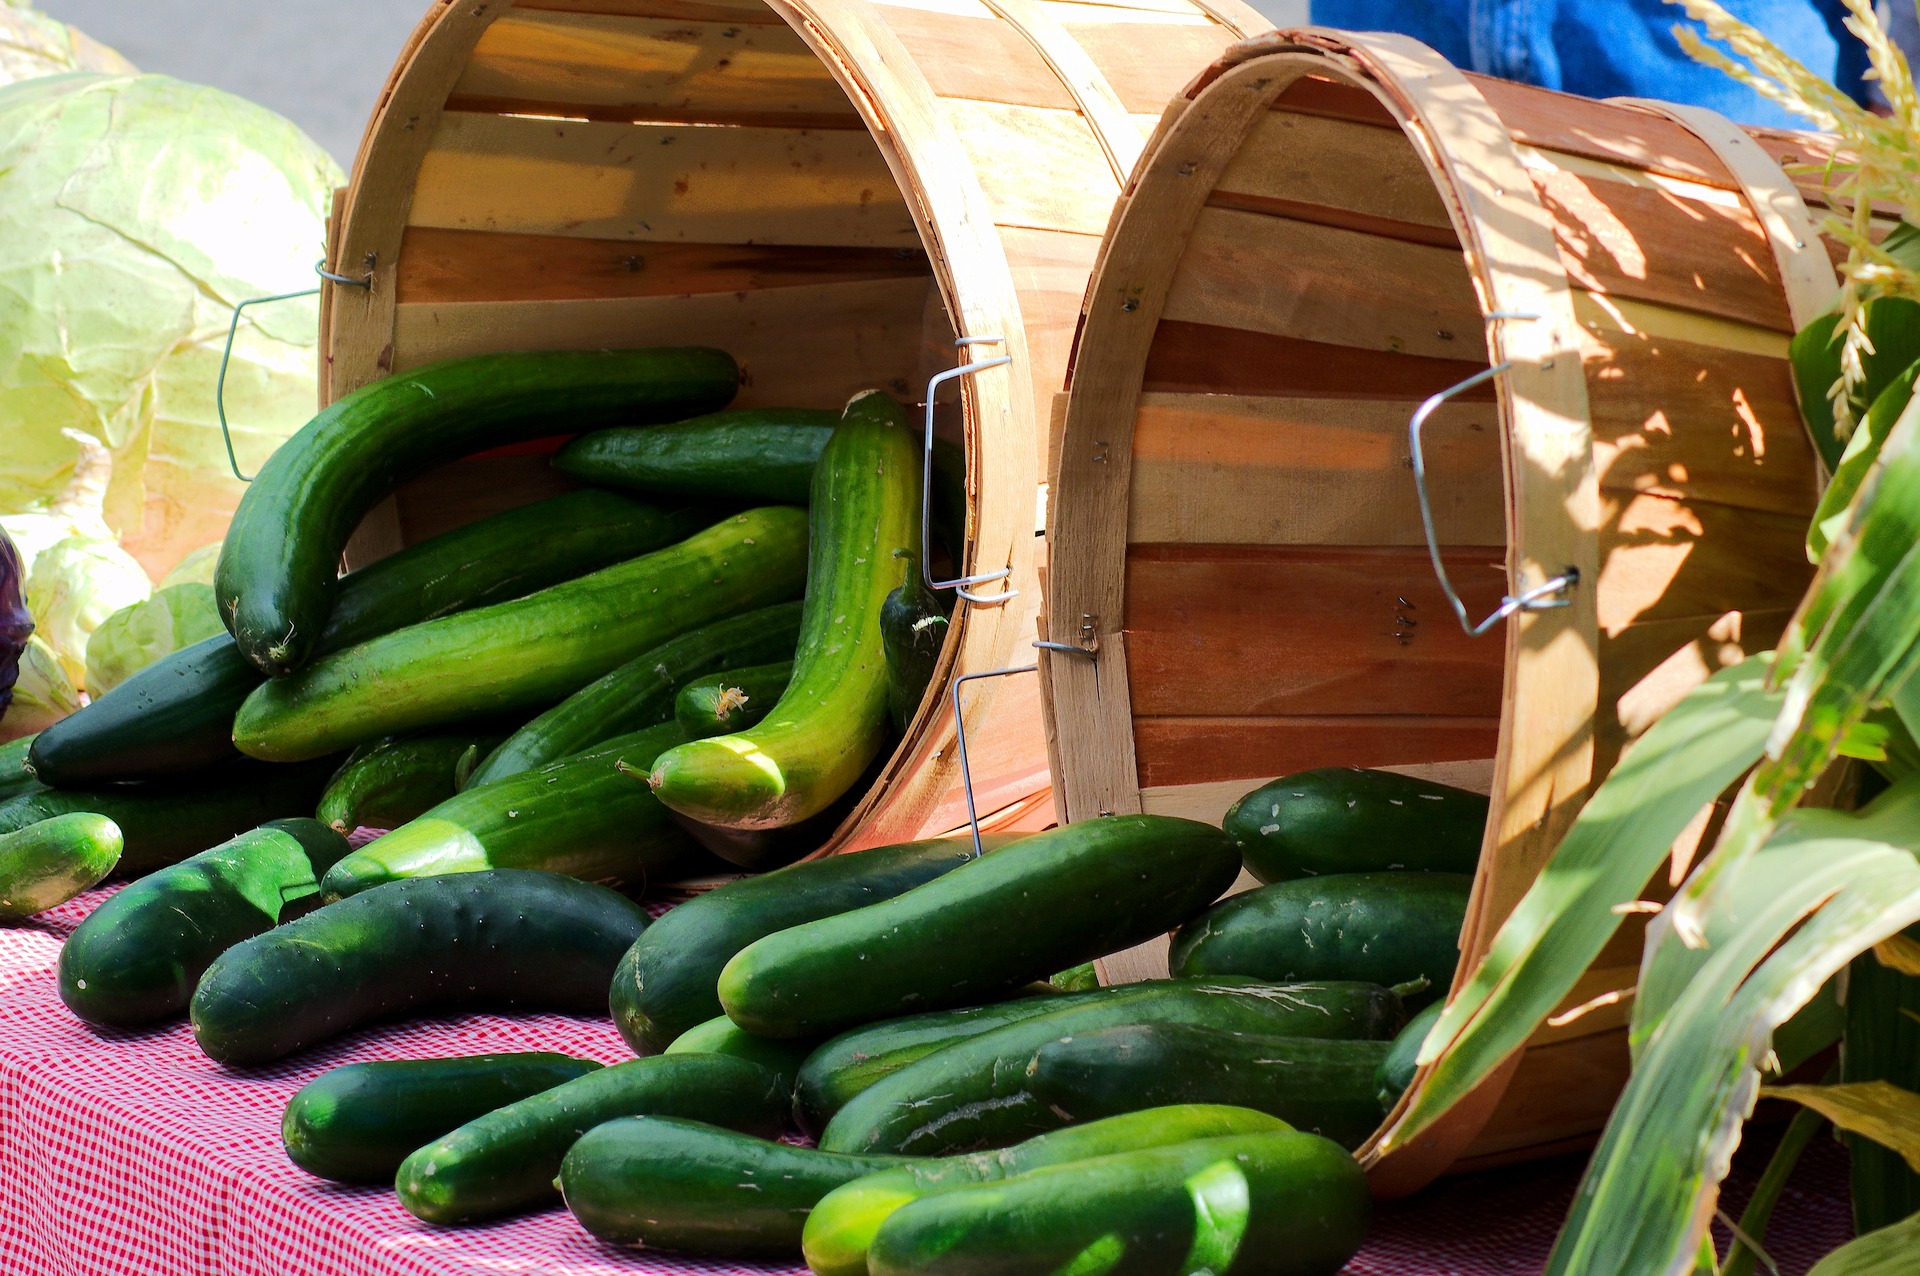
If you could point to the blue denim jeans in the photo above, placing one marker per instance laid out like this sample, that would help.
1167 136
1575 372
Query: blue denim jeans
1613 48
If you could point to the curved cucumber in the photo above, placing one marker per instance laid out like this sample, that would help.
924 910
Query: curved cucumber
640 693
138 956
1385 928
506 1161
976 1094
1402 1061
730 701
507 938
723 1036
163 823
46 864
1349 820
832 720
666 983
358 1122
1050 901
529 652
385 784
842 1225
1275 1204
913 633
176 715
579 816
754 454
276 583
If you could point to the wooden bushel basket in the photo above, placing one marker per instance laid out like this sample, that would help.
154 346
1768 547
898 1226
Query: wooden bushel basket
1327 230
835 192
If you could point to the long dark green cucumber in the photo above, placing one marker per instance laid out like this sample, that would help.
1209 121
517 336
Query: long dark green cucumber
1052 900
751 454
530 652
975 1093
507 938
730 701
387 783
1385 928
832 720
1278 1204
163 823
46 864
913 632
1324 1087
842 1225
580 816
358 1123
723 1036
640 693
666 983
138 956
276 584
1402 1060
845 1065
176 715
16 777
1349 820
506 1160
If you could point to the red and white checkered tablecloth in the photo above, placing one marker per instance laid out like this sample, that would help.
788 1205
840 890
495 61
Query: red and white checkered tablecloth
130 1154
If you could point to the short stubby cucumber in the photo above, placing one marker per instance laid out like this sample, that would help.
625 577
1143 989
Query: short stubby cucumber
976 1093
1349 820
640 693
1402 1061
275 583
913 632
530 652
724 1036
832 720
580 816
137 958
1050 901
385 784
510 938
751 454
1269 1204
731 701
506 1161
357 1123
46 864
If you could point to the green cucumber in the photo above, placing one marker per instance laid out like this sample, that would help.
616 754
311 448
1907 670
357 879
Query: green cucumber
529 652
579 816
845 1065
1323 1087
1384 928
1350 820
832 720
1082 978
640 693
1270 1204
138 956
722 1035
358 1123
507 938
1049 901
16 775
749 454
913 632
506 1161
164 822
1402 1060
387 783
976 1094
276 583
176 715
730 701
666 983
842 1225
46 864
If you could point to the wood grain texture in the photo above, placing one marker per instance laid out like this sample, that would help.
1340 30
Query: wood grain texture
1039 168
1201 358
746 11
1194 750
1309 159
983 58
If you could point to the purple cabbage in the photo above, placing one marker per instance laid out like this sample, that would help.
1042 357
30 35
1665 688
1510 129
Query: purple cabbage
16 626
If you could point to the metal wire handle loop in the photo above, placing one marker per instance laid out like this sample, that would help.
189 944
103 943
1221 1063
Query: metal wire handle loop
233 331
959 583
1547 596
960 726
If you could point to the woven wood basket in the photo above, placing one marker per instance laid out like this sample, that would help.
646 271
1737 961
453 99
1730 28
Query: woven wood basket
834 192
1326 230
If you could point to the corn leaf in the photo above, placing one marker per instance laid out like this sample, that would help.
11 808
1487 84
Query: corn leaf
1887 1252
1683 762
1878 1110
1901 953
1893 326
1863 449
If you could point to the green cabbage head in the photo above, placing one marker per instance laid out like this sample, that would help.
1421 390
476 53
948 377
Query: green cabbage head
32 44
136 636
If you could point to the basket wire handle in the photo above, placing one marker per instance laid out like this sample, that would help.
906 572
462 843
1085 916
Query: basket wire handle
233 330
959 583
1546 596
960 726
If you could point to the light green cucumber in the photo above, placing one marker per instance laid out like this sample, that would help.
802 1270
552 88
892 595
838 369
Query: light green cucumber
44 865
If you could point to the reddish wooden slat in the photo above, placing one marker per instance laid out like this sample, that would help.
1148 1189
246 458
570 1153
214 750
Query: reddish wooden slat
640 114
1196 358
1175 751
744 11
1343 218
